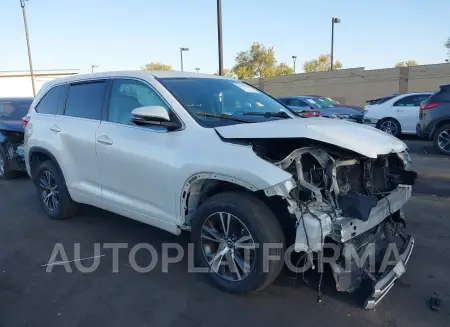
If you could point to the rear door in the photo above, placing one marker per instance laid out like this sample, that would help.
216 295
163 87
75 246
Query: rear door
76 127
407 110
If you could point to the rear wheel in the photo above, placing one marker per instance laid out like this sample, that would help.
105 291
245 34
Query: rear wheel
229 232
442 139
390 126
5 170
52 191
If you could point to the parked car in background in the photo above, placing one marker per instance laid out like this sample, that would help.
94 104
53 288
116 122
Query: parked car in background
225 161
309 106
12 135
434 123
333 102
396 115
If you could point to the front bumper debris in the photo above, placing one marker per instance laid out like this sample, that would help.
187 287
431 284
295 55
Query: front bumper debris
385 283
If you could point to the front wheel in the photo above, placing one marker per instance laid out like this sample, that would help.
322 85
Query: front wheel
442 139
239 239
390 126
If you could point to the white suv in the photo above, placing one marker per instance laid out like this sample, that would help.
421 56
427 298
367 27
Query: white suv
225 161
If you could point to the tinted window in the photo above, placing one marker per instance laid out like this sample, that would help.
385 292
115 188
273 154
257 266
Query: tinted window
380 101
86 100
127 95
299 103
53 101
411 101
287 102
14 109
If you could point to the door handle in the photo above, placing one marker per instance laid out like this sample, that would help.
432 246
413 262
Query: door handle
398 110
55 128
103 139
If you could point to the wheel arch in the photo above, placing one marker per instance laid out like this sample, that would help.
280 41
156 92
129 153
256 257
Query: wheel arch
202 186
38 155
442 121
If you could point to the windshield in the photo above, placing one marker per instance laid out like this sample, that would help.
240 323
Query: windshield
14 109
216 102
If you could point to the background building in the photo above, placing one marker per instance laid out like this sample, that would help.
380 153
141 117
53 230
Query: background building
18 83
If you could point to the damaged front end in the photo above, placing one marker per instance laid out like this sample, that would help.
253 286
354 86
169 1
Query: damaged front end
352 204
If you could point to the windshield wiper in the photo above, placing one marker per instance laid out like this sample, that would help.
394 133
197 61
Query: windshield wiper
222 116
268 114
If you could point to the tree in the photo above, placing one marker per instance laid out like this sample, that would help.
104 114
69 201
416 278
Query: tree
258 61
321 64
157 66
447 45
283 69
408 63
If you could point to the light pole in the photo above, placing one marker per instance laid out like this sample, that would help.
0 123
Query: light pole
22 4
92 67
334 20
197 69
181 54
219 35
294 58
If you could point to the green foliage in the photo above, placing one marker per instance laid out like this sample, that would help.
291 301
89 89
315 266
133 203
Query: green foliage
408 63
321 64
157 66
258 61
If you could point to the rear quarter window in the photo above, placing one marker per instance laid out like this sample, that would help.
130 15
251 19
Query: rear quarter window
53 101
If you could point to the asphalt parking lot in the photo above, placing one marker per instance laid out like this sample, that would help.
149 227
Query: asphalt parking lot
30 296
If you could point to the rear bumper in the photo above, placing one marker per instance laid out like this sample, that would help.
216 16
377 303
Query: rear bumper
424 134
385 283
370 121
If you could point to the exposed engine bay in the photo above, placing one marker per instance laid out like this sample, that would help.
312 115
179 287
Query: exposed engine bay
344 198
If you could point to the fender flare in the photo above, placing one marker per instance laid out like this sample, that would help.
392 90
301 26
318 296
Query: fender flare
36 149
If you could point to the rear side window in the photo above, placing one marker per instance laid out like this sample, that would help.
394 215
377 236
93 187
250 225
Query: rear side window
53 101
14 109
411 101
86 100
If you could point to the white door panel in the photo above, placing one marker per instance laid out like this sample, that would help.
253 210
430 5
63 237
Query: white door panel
77 144
137 169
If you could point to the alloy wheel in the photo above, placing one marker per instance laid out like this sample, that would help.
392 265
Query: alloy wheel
389 127
228 246
444 141
49 191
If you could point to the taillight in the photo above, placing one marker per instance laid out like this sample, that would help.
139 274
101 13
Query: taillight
25 121
313 113
429 106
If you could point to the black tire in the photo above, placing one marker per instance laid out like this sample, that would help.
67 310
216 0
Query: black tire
67 207
398 128
7 172
436 139
263 227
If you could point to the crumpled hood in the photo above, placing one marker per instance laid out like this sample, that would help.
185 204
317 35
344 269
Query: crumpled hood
359 138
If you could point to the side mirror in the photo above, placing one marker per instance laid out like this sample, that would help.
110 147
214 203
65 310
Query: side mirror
155 116
150 113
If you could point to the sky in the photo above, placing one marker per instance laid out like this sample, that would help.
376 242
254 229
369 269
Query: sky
127 34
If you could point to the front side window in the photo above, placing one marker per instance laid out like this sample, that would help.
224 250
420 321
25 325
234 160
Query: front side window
13 109
216 102
53 100
127 95
85 100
